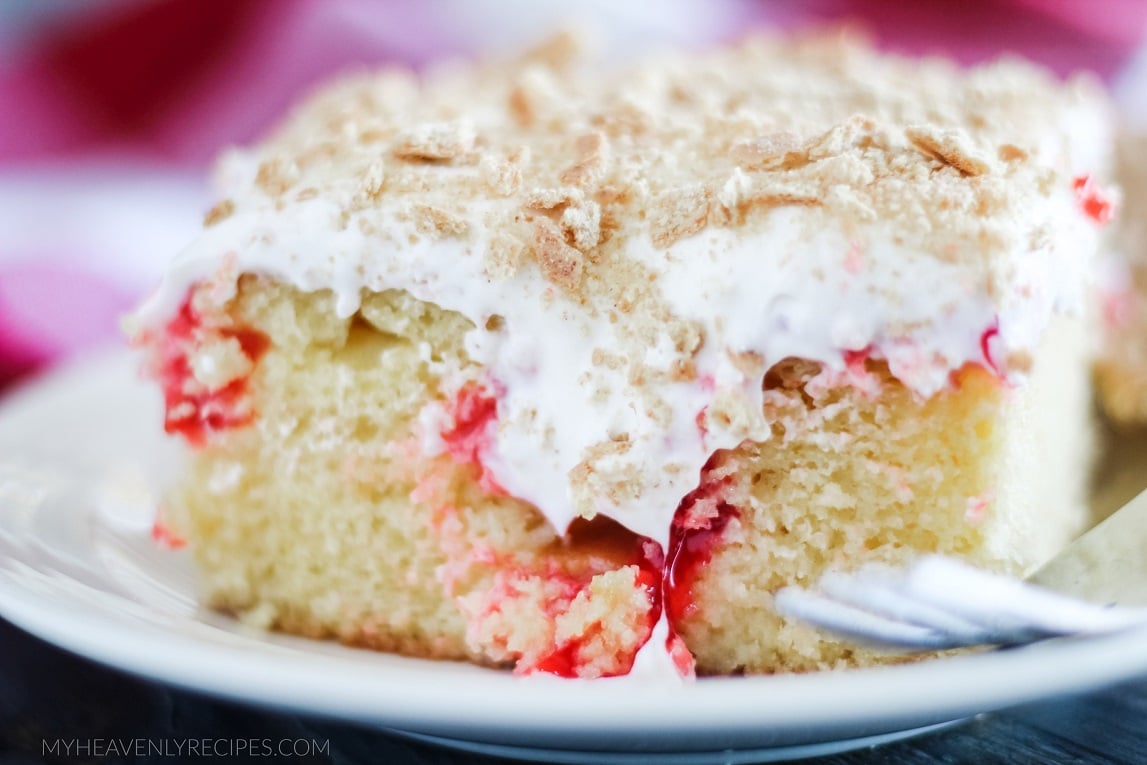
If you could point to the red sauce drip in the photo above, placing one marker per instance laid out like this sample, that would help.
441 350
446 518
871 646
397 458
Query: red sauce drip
1092 200
855 360
193 410
475 411
679 652
252 342
856 367
650 561
165 537
990 334
565 659
471 435
698 524
701 420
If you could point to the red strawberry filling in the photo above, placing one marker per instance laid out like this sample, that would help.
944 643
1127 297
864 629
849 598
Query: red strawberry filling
700 520
192 408
566 659
164 536
469 439
584 607
1093 200
988 342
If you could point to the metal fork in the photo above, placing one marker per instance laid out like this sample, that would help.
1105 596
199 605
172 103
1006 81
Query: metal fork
1098 584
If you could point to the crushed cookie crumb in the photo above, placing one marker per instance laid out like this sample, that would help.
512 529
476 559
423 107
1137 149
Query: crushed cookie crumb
625 119
435 141
1011 153
436 222
749 363
553 198
772 151
683 370
373 180
502 177
593 156
558 50
735 192
536 93
276 176
604 358
581 224
854 133
678 213
504 255
560 263
521 106
221 211
951 147
687 335
1019 361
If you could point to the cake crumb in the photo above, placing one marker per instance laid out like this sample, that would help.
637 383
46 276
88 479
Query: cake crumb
582 224
276 176
504 255
373 180
435 141
501 176
951 147
593 155
438 223
772 151
553 198
678 213
218 363
221 211
561 264
1009 152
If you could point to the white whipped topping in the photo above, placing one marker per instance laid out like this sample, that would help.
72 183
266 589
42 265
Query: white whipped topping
776 290
653 662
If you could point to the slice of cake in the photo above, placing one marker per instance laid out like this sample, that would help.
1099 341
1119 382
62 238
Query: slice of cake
540 366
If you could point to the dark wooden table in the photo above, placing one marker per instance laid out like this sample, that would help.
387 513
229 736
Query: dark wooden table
47 694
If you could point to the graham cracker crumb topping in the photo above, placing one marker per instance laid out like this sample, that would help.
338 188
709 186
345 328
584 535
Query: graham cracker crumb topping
435 141
684 143
277 175
436 222
542 160
221 211
951 147
562 264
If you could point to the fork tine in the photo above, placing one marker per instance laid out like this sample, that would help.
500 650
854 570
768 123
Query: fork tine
940 603
882 591
858 624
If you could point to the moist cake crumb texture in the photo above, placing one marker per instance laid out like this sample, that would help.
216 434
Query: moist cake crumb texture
530 366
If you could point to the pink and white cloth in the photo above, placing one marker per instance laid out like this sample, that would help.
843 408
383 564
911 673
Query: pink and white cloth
111 109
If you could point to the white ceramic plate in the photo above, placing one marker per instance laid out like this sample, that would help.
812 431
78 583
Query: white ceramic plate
81 457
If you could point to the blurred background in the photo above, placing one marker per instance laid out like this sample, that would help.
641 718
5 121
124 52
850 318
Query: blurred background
111 110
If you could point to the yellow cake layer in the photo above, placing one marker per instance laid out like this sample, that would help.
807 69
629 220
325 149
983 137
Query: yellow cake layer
324 517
